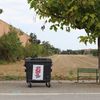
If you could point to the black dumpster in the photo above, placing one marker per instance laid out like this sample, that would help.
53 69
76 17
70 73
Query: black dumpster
38 70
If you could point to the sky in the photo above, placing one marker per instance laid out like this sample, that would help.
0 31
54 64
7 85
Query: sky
19 14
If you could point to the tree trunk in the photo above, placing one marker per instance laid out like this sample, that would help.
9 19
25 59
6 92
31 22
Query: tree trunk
99 57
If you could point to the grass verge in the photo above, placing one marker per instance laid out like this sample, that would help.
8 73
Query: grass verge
12 78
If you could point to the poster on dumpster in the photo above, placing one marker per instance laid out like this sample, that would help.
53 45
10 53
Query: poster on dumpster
38 72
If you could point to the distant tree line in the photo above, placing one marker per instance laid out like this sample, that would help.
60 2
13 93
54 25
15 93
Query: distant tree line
11 48
93 52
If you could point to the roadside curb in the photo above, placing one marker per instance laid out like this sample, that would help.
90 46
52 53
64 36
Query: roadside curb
52 81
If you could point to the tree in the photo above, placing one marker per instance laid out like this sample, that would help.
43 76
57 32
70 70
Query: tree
94 52
33 39
47 47
80 14
10 47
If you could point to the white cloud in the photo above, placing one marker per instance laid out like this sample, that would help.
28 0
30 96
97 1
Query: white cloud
16 10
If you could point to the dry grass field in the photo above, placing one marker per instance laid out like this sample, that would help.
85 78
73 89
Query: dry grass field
66 65
63 66
12 70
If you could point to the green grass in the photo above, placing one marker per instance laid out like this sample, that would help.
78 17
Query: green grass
12 78
56 77
3 62
61 77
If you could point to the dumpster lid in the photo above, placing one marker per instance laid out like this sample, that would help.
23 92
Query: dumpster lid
38 59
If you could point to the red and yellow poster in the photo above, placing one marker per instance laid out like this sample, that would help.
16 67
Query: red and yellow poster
38 72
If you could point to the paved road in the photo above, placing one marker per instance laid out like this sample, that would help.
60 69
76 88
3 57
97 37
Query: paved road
18 90
53 97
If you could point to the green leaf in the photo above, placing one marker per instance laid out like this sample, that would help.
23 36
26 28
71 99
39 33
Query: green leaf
68 29
1 11
84 39
92 15
84 18
98 25
29 1
92 2
55 28
51 27
62 27
90 41
90 23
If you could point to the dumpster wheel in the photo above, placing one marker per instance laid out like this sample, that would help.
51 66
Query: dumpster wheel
48 84
30 84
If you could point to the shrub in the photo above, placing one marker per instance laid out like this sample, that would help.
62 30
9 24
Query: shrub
10 47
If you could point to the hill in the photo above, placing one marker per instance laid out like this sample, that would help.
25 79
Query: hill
5 28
